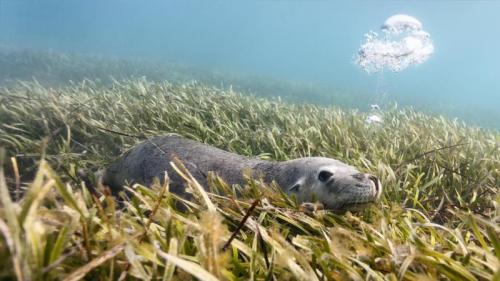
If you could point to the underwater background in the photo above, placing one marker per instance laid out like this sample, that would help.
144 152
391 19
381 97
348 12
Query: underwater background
310 43
83 82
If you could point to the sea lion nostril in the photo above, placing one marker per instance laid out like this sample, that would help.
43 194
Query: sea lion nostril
376 181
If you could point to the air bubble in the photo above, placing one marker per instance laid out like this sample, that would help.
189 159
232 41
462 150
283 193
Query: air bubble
403 43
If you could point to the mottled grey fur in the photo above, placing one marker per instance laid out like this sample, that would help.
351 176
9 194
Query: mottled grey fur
340 187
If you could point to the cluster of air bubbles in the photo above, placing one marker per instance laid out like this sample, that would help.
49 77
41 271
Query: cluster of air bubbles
375 115
403 43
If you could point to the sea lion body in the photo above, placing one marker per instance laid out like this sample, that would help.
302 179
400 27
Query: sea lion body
333 183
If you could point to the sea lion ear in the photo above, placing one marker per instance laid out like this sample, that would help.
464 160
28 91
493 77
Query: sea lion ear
296 186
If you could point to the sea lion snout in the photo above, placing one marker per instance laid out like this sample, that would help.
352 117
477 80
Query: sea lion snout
370 181
346 188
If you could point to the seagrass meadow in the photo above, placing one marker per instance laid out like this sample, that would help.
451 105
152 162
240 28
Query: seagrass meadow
438 218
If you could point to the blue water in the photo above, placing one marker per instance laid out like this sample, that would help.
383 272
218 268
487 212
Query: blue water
310 41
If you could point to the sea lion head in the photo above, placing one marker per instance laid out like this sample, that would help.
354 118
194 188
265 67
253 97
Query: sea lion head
336 185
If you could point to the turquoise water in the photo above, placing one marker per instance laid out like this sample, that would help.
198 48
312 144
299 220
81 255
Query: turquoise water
308 41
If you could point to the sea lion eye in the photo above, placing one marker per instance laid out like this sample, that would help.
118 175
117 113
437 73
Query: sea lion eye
323 176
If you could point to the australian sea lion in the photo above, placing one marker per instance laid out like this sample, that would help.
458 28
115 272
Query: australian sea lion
336 185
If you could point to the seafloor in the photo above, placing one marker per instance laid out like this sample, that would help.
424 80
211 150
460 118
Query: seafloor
437 219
